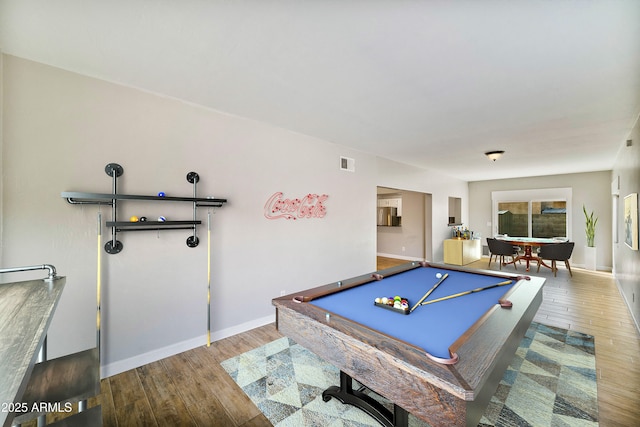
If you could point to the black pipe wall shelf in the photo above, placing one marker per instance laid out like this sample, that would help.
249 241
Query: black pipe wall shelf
114 246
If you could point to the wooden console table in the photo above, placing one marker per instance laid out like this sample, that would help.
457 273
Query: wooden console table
462 251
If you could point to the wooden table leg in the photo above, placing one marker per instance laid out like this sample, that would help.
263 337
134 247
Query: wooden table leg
527 255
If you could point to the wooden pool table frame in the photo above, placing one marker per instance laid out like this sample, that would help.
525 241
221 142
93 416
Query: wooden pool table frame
440 394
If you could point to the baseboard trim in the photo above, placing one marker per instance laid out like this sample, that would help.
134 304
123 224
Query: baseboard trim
123 365
628 304
601 268
406 258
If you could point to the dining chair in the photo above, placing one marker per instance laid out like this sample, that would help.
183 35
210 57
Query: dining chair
556 252
500 249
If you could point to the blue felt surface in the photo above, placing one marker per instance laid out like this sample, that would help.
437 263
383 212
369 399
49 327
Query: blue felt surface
432 327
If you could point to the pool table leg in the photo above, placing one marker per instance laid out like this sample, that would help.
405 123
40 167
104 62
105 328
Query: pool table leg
347 395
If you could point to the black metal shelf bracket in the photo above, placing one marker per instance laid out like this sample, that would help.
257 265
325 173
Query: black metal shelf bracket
193 241
115 171
114 246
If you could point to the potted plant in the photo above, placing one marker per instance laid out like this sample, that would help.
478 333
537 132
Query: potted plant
590 249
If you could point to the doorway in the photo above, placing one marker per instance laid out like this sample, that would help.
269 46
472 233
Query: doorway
409 237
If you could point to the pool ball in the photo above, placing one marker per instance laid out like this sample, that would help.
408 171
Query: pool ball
162 219
134 219
161 194
143 219
384 300
439 275
378 300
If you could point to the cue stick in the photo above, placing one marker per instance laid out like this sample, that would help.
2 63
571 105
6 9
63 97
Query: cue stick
506 282
98 281
209 279
429 292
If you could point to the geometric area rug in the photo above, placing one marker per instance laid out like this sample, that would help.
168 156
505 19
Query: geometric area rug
551 381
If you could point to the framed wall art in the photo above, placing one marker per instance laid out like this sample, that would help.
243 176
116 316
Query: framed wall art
631 221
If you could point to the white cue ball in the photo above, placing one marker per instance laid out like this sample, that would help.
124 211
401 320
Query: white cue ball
439 275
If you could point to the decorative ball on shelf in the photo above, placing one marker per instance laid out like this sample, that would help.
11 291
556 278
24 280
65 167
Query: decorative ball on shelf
162 219
161 194
143 219
134 219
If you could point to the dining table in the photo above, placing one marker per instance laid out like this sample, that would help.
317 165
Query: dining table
528 243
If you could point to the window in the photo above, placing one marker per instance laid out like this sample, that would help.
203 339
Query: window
532 213
543 218
513 218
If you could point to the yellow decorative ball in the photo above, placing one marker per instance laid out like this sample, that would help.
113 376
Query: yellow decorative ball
134 219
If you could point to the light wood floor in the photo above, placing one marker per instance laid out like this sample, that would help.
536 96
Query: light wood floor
191 389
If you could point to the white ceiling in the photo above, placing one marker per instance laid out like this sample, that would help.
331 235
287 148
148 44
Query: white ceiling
556 84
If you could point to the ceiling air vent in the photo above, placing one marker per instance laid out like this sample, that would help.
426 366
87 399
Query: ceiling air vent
347 164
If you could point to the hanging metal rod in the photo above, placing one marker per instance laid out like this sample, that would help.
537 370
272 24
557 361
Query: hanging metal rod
78 198
51 268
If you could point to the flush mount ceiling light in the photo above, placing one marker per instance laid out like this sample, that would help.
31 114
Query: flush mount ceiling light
494 155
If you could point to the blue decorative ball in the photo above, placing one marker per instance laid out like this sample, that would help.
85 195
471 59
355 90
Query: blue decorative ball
161 194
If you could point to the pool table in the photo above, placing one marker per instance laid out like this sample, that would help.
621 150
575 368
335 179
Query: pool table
439 361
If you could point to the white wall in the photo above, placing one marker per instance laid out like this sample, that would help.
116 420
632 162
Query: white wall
626 174
61 129
1 148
